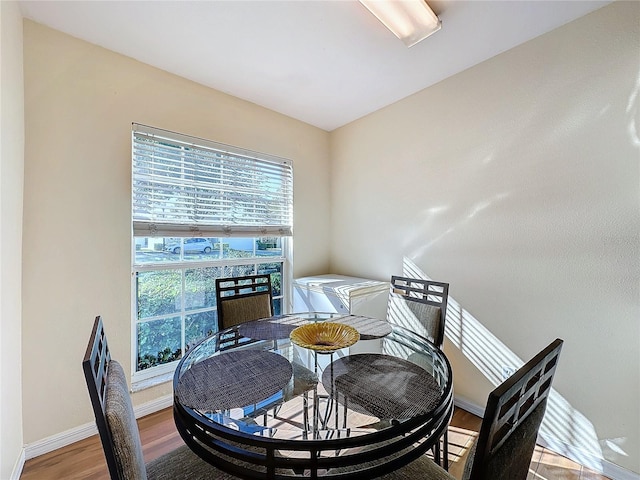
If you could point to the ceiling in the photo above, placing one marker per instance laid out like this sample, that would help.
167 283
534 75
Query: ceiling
323 62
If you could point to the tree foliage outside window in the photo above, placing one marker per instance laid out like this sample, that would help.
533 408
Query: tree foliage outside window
181 294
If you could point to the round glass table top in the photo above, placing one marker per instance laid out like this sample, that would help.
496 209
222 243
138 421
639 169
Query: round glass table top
254 402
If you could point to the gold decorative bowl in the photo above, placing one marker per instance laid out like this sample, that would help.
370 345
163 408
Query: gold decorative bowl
324 337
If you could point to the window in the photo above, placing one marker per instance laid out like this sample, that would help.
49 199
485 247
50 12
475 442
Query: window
200 211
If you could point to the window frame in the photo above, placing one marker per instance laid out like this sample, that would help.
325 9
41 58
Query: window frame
164 372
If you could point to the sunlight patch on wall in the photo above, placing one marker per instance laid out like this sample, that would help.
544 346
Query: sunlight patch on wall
564 429
473 210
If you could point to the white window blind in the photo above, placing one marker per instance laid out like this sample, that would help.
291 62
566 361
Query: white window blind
185 186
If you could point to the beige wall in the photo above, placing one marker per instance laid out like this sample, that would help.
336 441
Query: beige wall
80 101
11 188
517 181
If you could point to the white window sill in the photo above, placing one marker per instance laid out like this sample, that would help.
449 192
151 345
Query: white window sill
143 384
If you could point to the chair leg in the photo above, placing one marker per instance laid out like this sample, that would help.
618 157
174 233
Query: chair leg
445 450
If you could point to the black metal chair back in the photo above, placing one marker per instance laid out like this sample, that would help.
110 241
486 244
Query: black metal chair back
95 366
512 419
243 299
425 292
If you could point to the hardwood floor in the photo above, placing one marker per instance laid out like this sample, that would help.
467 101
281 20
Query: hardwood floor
85 460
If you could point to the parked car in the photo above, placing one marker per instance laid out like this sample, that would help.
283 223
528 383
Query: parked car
191 245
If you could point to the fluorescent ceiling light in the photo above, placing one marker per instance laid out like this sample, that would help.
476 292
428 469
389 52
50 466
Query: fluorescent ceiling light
410 20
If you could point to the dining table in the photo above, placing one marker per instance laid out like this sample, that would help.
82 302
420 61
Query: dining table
259 401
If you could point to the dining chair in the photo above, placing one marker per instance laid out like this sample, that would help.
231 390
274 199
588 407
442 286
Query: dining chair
243 299
117 425
507 437
420 305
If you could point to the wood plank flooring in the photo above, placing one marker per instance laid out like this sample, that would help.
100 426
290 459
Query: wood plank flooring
85 460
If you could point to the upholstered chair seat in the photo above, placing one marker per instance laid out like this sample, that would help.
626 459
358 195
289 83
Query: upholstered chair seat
181 463
507 437
243 299
419 305
244 309
118 429
422 468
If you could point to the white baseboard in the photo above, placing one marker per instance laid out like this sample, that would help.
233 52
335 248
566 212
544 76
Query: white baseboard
153 406
76 434
468 406
617 472
600 465
59 440
17 468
